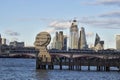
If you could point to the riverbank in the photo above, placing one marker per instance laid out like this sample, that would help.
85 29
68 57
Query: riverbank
17 56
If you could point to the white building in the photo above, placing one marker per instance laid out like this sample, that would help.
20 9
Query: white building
74 35
118 42
17 44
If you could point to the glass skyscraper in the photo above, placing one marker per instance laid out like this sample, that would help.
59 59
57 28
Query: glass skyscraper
74 35
82 44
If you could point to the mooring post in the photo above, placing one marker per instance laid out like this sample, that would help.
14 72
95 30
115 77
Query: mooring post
69 64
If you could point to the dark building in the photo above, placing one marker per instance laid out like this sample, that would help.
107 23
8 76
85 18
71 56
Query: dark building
98 45
97 40
65 43
82 43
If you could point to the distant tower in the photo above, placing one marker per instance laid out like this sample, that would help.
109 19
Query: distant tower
65 43
0 40
59 39
98 45
53 43
118 42
74 35
97 39
56 40
3 41
82 44
0 43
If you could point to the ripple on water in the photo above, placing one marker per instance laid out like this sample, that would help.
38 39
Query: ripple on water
24 69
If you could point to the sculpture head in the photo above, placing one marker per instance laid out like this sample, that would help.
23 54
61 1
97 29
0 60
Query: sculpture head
42 39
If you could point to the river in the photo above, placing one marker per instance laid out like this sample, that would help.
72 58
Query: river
24 69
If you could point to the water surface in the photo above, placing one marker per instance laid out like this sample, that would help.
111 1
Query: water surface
24 69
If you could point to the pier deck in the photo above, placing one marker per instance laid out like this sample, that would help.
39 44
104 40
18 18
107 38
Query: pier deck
103 62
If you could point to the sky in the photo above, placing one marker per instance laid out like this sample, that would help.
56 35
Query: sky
22 20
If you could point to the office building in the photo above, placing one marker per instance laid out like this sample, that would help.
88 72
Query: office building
0 43
65 43
74 35
3 41
97 40
98 45
59 40
118 42
0 40
82 43
17 44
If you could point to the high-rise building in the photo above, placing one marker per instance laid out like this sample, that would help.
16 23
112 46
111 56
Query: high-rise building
82 43
59 40
53 43
3 41
98 45
0 40
118 42
74 35
65 43
97 39
0 43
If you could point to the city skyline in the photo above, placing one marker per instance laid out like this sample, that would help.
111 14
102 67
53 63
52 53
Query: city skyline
22 20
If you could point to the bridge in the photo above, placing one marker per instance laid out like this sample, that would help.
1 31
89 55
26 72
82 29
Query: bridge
18 55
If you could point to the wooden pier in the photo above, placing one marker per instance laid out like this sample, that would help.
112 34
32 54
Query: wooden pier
101 64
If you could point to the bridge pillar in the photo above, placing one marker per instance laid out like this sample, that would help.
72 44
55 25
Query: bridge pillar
60 64
88 68
119 68
106 68
99 68
69 66
37 64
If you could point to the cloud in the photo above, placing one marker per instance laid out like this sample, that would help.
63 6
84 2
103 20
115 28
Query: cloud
12 33
102 23
60 25
104 2
14 39
115 14
89 34
50 30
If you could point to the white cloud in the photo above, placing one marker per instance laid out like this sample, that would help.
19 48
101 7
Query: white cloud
14 39
113 14
50 30
60 25
104 2
12 33
89 34
102 23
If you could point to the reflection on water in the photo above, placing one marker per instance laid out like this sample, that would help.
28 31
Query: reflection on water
24 69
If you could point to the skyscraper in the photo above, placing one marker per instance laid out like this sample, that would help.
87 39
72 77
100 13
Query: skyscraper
118 42
74 35
97 39
65 43
82 43
0 43
3 41
0 40
98 45
59 39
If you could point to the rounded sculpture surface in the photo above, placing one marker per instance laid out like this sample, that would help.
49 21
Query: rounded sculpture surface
42 39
